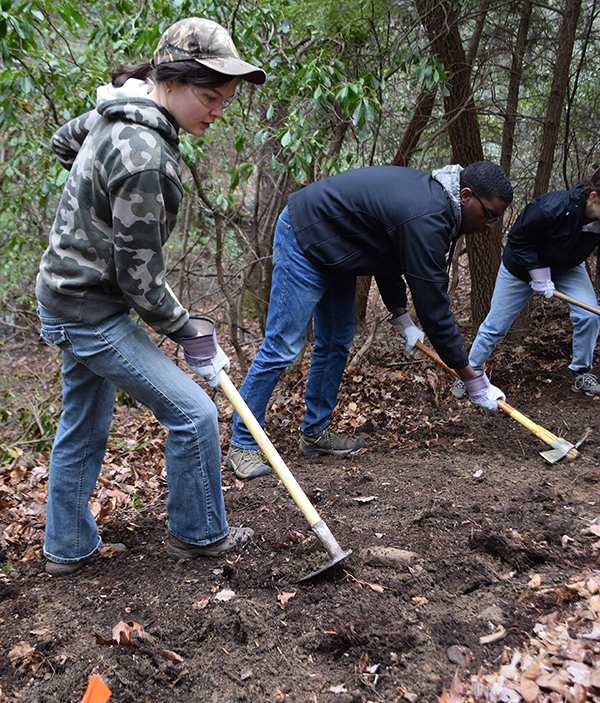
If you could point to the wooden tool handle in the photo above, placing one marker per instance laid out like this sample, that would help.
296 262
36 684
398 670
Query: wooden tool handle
541 432
574 301
269 450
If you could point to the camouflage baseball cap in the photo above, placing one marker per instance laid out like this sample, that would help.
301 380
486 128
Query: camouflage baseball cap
208 43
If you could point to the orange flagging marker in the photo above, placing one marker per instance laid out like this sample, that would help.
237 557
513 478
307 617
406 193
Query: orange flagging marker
97 691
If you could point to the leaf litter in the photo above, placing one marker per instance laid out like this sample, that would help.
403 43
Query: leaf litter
472 544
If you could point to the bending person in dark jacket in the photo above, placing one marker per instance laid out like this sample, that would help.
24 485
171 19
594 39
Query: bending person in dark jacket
548 244
396 224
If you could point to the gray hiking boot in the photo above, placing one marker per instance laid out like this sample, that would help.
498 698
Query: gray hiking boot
585 382
328 442
458 388
246 463
238 536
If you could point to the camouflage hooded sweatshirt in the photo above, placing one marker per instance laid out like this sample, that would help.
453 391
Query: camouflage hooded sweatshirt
117 210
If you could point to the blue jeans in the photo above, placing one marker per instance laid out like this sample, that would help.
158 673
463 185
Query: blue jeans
510 296
299 291
96 360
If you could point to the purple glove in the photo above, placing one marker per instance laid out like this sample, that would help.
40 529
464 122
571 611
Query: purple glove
203 354
411 334
541 282
482 393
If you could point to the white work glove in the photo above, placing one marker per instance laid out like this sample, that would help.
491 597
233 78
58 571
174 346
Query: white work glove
411 334
211 370
203 354
541 282
482 393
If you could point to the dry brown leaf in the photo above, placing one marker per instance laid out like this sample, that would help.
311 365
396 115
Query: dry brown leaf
338 689
24 656
171 656
494 637
225 595
284 597
553 682
529 689
201 604
577 693
123 634
455 692
419 600
19 652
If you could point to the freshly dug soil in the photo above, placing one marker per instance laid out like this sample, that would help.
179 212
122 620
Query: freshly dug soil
465 491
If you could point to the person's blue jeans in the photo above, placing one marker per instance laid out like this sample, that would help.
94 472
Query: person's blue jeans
510 296
96 360
299 291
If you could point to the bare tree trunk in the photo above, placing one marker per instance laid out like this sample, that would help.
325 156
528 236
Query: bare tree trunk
514 84
557 96
476 38
415 129
484 251
363 286
408 146
572 91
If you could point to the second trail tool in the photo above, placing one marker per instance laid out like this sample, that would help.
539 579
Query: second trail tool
574 301
559 447
318 526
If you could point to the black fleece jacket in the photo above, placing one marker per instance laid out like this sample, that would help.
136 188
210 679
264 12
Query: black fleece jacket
549 233
390 222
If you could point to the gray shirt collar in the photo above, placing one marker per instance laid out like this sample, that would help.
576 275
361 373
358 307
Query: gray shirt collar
449 178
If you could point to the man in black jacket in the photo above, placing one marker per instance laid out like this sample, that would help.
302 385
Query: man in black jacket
396 224
549 242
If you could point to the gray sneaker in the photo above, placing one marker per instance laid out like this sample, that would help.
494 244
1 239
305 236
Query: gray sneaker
458 388
328 442
246 463
585 382
237 537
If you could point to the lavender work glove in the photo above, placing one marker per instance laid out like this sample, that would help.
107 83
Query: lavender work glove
410 333
482 393
541 282
203 354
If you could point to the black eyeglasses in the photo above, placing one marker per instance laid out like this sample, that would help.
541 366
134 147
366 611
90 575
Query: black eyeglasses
490 217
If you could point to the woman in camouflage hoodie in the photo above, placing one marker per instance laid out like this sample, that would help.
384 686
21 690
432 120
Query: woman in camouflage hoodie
104 258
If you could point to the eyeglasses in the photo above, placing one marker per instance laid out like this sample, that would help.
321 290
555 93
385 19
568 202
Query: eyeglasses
490 216
212 102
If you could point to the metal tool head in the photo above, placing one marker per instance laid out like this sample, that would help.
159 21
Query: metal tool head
562 448
333 562
331 545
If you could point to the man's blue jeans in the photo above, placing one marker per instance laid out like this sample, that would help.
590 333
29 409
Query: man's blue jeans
299 290
510 296
96 360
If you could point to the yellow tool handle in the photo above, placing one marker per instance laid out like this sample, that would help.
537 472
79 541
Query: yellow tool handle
544 434
269 450
574 301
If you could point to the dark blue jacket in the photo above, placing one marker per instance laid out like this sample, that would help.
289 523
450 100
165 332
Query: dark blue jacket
548 233
392 223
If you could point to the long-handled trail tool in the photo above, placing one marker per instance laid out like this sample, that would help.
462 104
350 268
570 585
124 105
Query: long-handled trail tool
560 447
318 526
574 301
